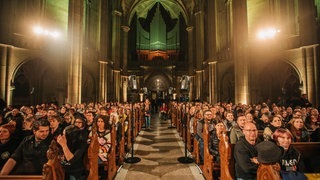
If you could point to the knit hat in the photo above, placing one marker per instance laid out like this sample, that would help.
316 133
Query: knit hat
11 128
269 152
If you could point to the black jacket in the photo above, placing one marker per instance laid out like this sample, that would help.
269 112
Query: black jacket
292 157
243 152
31 156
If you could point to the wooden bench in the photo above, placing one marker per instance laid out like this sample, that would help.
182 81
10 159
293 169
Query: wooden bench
227 170
22 177
209 165
308 150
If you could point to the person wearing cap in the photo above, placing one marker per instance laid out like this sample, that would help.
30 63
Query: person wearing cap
8 144
269 156
269 152
245 153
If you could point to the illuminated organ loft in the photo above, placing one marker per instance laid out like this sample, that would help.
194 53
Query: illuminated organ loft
155 38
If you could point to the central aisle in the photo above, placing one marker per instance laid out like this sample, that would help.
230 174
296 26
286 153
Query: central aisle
159 148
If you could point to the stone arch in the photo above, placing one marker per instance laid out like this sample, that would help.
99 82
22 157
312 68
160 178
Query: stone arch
152 84
33 80
173 7
280 79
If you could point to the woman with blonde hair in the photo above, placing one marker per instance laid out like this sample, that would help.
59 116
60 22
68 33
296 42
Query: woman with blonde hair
298 130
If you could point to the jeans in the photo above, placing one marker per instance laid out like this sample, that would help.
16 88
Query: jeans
147 118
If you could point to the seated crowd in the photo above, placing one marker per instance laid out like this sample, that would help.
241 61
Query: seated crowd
26 134
247 126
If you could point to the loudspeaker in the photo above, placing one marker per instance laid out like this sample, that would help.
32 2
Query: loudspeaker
185 80
133 82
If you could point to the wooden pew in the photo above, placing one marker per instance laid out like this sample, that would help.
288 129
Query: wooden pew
195 153
189 136
308 150
93 150
227 170
208 163
21 177
112 165
121 152
268 171
53 170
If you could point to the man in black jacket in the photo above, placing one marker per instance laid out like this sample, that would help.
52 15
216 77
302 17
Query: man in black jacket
31 154
245 153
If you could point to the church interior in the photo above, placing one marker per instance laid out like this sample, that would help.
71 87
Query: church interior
85 51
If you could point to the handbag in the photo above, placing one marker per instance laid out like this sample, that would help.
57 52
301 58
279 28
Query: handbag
292 175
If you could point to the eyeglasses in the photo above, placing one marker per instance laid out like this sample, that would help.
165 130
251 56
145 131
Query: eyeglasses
208 114
251 130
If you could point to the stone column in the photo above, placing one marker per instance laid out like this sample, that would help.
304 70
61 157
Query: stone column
103 77
198 84
311 75
116 52
75 35
199 41
212 82
124 88
125 29
190 50
240 51
3 71
190 59
9 79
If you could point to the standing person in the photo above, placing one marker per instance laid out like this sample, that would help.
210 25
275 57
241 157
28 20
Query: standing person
31 154
147 115
245 153
73 142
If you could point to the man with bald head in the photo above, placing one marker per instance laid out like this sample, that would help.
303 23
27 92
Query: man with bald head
245 153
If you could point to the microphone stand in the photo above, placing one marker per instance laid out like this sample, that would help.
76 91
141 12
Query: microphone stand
185 159
132 159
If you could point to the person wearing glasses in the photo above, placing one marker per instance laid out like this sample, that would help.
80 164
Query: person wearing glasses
245 153
207 114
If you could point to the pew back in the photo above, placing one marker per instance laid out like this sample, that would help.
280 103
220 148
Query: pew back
310 152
